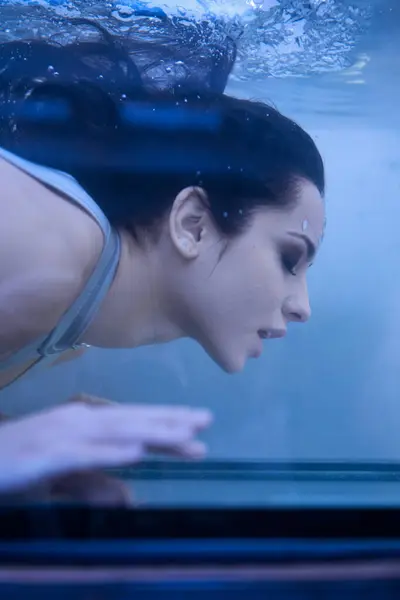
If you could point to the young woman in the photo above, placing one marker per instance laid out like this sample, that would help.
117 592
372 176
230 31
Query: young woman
131 217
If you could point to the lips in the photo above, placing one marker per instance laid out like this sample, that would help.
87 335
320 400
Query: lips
268 334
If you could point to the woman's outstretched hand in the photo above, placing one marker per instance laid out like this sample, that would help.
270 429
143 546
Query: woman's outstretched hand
88 434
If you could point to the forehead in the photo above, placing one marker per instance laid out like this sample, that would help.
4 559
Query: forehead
308 212
306 216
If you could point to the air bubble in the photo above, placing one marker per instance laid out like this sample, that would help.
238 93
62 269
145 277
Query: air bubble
123 13
225 215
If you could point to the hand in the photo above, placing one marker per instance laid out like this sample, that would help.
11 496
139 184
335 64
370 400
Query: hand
78 437
89 487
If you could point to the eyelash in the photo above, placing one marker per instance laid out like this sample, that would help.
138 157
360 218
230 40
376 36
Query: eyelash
290 262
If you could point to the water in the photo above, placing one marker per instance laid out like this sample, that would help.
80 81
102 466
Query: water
331 390
276 38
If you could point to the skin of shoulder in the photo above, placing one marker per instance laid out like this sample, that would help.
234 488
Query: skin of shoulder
41 272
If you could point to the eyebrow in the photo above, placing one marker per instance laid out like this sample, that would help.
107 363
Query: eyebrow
311 249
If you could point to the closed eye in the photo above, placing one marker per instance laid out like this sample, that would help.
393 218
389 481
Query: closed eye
311 249
292 257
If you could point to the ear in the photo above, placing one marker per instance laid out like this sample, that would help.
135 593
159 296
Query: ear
189 221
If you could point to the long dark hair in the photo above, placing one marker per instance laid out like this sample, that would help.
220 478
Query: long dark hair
86 108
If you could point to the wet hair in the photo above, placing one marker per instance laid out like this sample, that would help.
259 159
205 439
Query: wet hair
90 109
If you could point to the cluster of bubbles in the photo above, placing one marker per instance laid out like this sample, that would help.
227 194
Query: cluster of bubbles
302 38
275 38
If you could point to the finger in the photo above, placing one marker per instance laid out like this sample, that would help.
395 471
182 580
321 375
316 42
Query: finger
143 432
101 456
197 418
194 450
107 456
111 456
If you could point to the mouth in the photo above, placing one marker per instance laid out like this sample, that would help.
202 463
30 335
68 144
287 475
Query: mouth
269 334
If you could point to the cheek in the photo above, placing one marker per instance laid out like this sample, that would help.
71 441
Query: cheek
255 280
270 282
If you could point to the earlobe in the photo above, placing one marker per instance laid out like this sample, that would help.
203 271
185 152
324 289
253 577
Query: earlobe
187 221
187 248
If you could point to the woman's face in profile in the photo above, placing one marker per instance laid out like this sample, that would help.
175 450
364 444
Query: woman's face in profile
251 291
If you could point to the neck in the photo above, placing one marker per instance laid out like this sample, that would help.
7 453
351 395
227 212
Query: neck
134 311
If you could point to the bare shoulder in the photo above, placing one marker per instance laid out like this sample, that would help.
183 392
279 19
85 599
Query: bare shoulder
41 272
31 304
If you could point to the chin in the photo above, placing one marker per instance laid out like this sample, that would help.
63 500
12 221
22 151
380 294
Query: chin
229 364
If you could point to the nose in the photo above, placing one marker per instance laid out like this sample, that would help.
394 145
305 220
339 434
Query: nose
297 308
